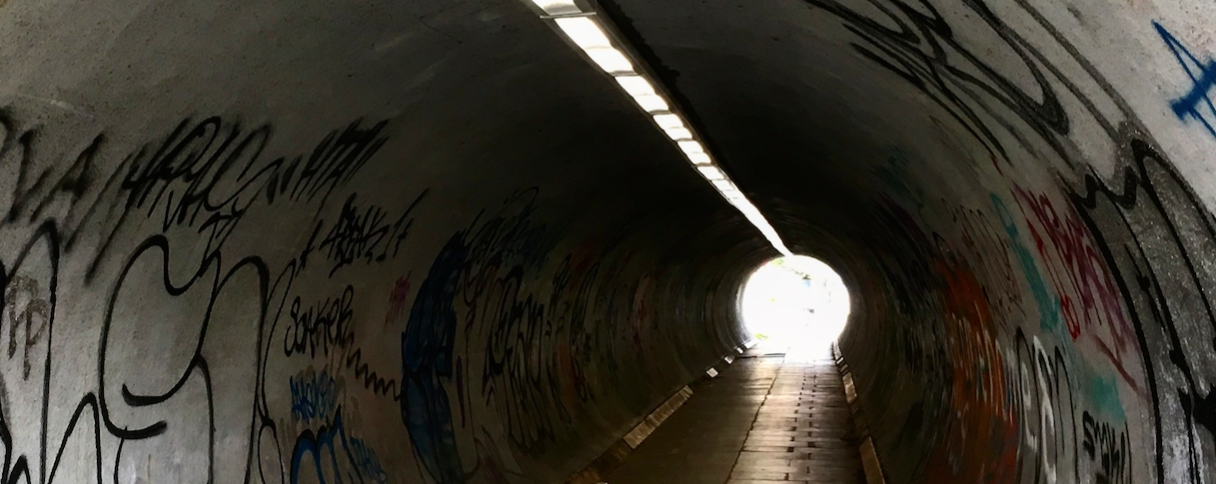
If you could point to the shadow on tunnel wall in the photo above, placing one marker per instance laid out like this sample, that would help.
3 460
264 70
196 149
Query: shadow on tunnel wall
411 246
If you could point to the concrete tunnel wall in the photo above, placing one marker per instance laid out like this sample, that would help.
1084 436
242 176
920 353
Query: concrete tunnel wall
425 242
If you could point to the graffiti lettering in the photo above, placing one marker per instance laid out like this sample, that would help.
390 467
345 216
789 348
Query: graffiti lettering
362 235
1108 448
313 396
325 325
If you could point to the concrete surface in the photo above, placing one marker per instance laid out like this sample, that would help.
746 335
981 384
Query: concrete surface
767 418
423 241
701 441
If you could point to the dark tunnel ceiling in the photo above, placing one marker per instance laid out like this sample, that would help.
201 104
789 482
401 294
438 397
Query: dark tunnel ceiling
1008 188
786 101
782 101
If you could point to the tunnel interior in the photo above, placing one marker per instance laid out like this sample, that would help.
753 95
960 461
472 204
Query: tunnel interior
426 241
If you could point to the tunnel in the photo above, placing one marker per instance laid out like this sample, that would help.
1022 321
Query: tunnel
429 241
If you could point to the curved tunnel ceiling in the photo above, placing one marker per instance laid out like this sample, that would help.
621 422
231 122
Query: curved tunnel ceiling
425 241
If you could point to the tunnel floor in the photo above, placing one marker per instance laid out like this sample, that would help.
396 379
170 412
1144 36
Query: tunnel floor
775 415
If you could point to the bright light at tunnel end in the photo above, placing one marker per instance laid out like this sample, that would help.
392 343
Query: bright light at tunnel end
579 23
795 303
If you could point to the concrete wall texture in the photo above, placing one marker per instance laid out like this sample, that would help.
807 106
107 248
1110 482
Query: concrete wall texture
424 241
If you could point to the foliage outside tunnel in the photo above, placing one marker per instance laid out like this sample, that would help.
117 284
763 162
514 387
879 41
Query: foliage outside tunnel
270 243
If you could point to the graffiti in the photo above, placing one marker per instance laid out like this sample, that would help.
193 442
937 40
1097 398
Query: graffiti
325 329
397 300
1045 299
895 175
1046 406
222 290
573 282
1152 231
204 176
196 254
478 274
950 73
984 250
26 436
367 461
1145 225
1098 314
28 313
1108 449
334 456
426 352
361 235
520 330
313 396
639 314
950 340
506 344
325 325
136 401
206 319
1202 73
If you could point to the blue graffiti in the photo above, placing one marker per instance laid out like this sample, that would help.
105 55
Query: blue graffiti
368 462
428 342
312 397
426 353
1049 304
1203 77
328 445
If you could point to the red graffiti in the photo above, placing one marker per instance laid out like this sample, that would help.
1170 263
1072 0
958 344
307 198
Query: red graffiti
1089 300
396 299
980 440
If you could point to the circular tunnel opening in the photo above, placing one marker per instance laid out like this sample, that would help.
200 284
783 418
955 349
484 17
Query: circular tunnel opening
794 303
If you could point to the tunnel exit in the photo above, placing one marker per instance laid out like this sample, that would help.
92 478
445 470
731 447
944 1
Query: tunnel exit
794 302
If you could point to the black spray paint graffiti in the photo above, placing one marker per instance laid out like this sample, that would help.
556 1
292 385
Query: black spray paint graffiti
24 428
325 329
203 176
572 289
1108 448
923 50
1150 227
324 326
28 309
1047 408
361 233
358 234
223 293
1153 232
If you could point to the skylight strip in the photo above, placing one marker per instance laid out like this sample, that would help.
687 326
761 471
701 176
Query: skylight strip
579 23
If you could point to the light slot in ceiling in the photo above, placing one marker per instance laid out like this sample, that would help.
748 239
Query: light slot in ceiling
596 37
